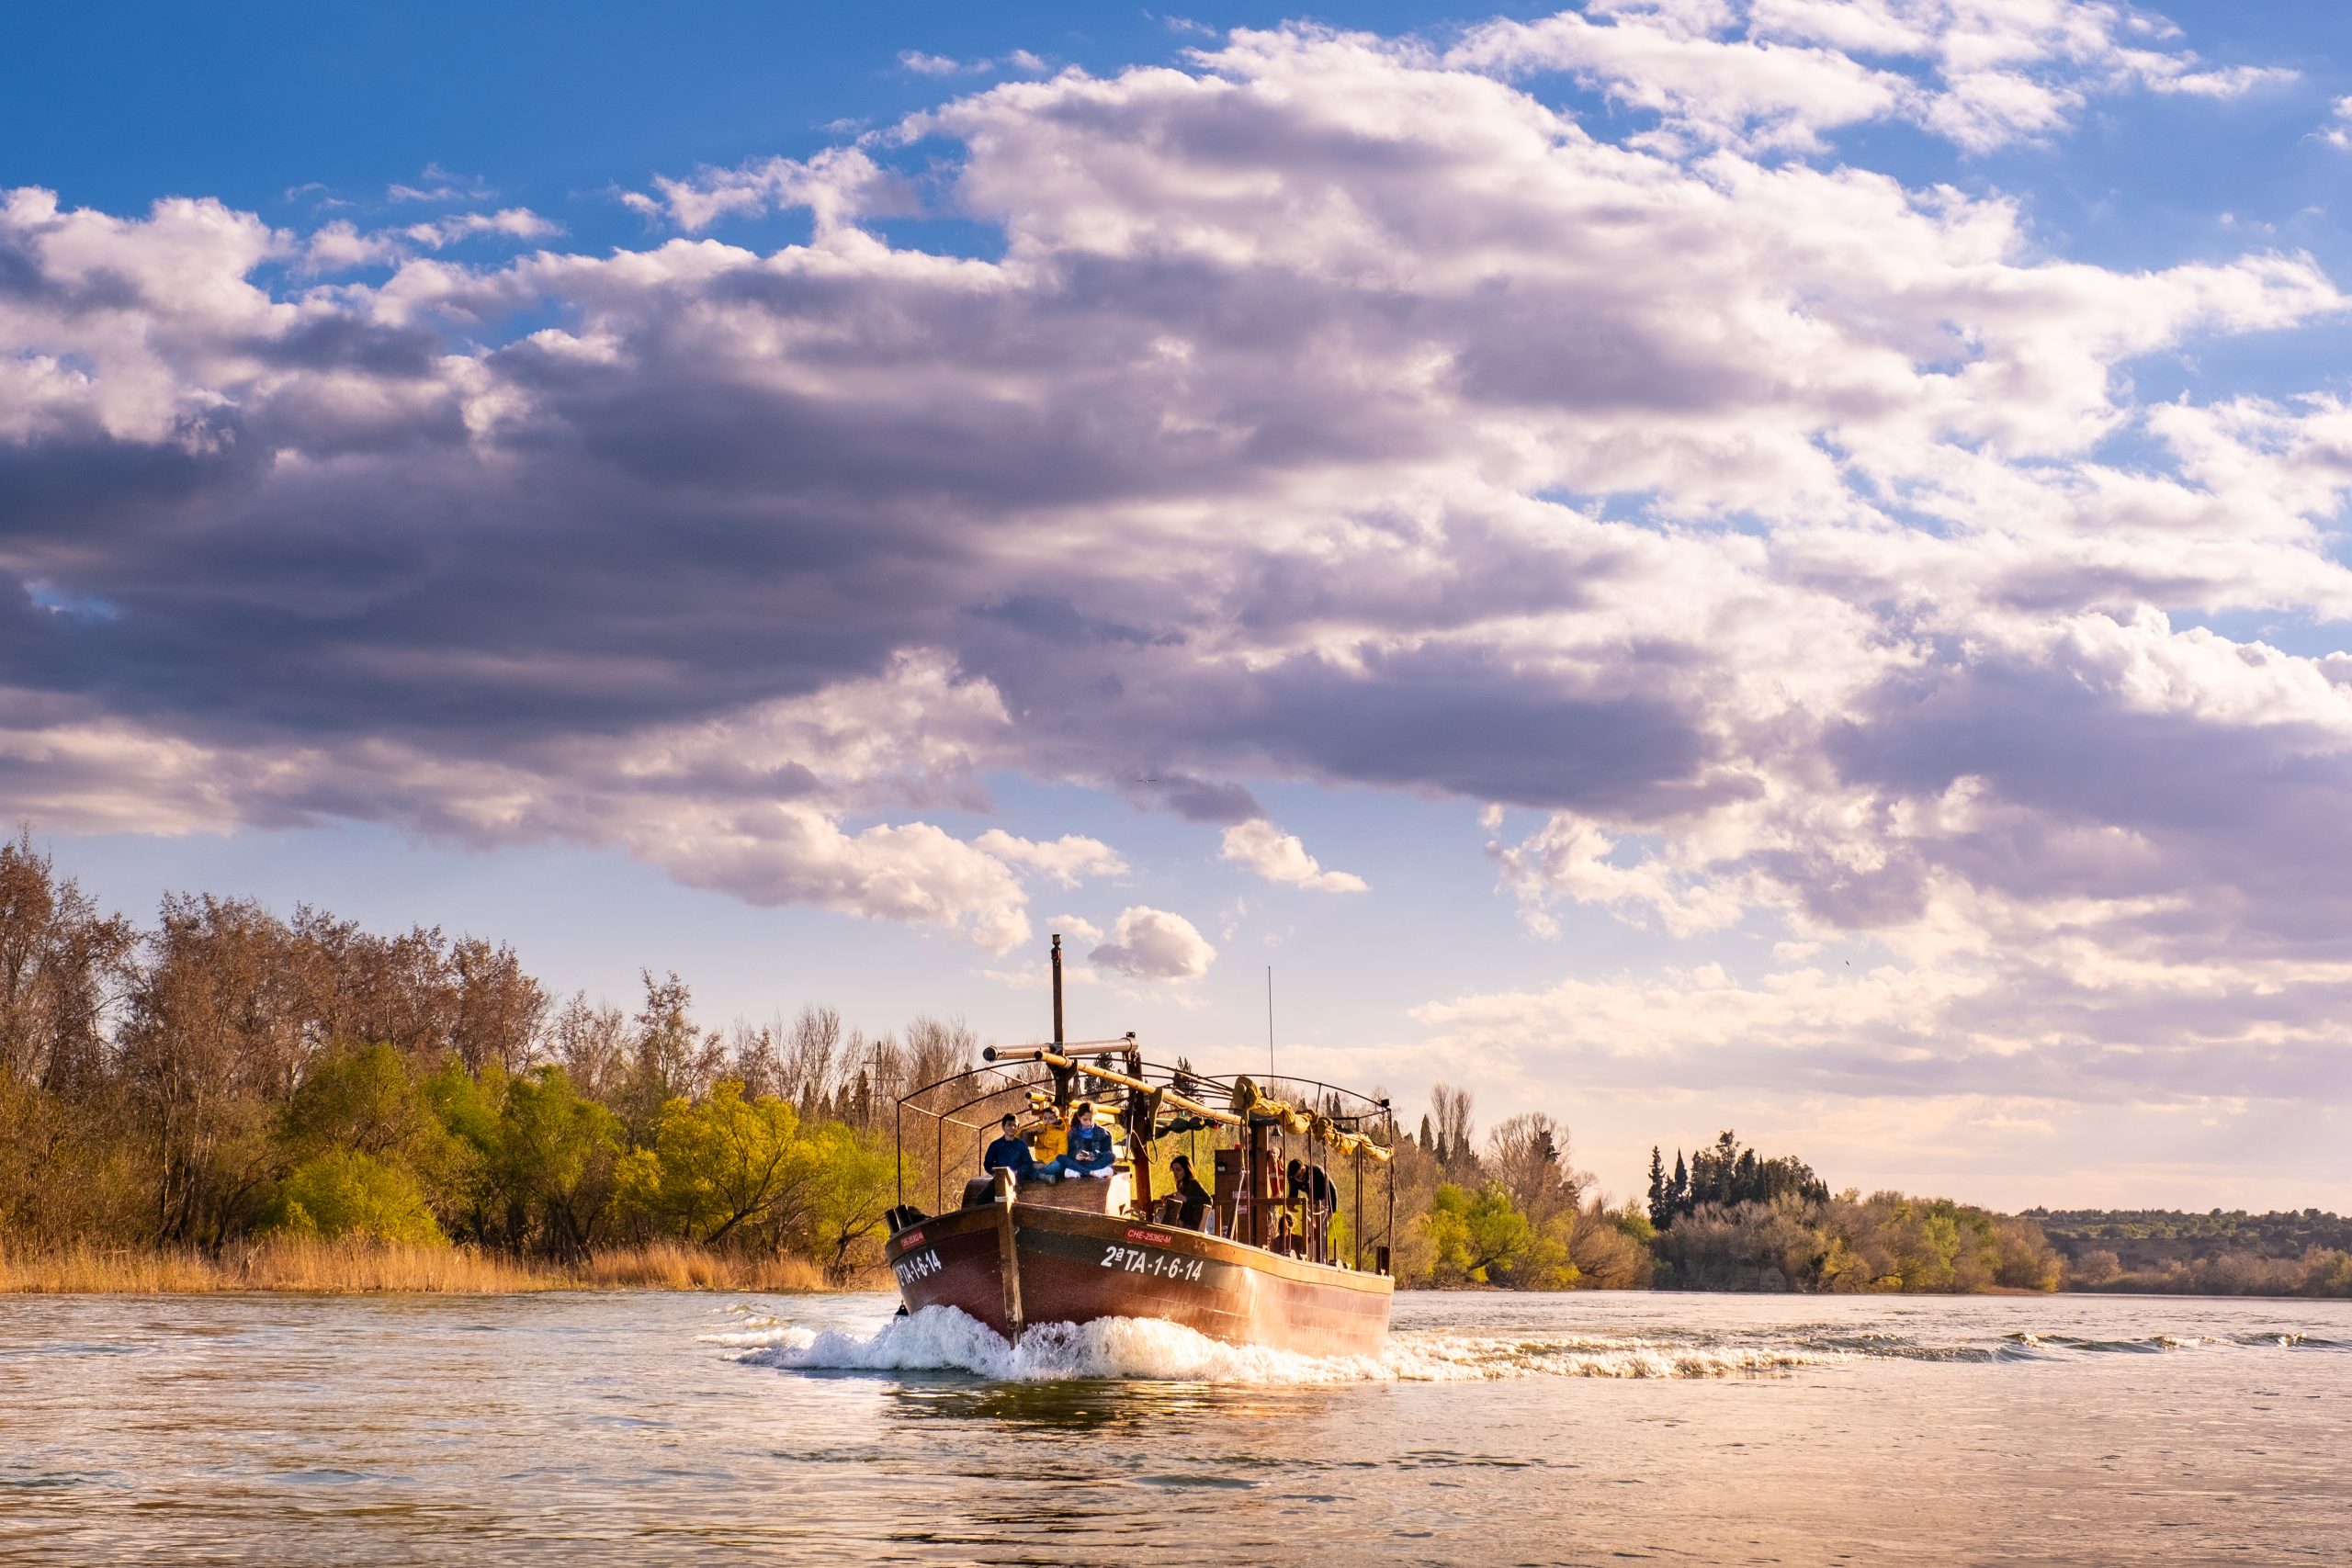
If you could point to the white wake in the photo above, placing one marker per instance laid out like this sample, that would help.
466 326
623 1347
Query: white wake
944 1339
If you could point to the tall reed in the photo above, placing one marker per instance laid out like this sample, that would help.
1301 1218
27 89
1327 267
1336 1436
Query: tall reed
353 1267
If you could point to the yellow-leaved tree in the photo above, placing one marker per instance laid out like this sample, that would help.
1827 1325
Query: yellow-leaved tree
727 1166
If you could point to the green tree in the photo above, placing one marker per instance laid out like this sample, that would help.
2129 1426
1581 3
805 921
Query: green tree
357 1097
849 1196
344 1192
724 1164
1475 1237
542 1156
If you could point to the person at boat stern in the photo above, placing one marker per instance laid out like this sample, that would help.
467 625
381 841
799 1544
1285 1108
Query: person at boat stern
1090 1149
1010 1152
1190 1201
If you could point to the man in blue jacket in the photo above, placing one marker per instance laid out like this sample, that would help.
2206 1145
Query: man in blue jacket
1010 1152
1090 1150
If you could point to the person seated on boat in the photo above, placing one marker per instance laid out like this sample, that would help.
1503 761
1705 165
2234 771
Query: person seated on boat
1047 1140
1010 1152
1090 1150
1189 1201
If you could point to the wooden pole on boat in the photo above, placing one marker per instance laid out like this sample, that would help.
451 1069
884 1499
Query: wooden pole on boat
1358 1160
1257 1182
1008 1261
1058 989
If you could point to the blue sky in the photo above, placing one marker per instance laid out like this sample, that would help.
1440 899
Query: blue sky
1772 563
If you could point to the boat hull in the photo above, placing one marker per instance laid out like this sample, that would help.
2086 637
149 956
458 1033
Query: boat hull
1019 1265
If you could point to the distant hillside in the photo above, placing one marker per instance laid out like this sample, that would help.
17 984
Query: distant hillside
2220 1252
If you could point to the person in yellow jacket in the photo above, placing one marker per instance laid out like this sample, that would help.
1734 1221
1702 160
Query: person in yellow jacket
1048 1142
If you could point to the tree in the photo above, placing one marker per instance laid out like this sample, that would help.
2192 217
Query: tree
851 1192
221 1029
669 1057
346 1194
725 1163
500 1008
62 970
1528 1154
1450 1107
357 1098
546 1159
1661 1204
1475 1237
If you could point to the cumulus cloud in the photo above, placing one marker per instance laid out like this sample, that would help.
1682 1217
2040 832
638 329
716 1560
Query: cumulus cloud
1326 417
1067 860
1152 945
1260 847
1764 74
2337 131
340 245
923 64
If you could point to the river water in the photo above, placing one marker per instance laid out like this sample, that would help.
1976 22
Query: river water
653 1427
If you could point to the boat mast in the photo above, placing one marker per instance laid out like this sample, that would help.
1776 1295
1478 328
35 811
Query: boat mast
1058 991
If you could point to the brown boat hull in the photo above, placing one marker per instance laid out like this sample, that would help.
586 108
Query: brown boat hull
1070 1266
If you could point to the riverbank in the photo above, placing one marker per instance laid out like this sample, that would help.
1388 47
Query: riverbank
354 1268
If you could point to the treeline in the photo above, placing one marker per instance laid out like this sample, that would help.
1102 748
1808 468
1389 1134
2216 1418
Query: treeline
228 1074
1730 1219
228 1078
2220 1253
1510 1210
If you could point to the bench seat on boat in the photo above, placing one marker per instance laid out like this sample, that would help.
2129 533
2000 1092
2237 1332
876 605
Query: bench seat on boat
1083 1194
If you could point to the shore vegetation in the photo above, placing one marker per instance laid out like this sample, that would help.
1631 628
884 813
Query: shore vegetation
232 1099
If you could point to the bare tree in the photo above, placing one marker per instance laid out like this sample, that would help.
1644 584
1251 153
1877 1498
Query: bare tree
500 1010
590 1043
64 970
1529 1154
1451 1109
218 1036
813 1060
934 1049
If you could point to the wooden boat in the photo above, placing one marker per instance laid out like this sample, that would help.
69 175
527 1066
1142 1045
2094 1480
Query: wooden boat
1268 1265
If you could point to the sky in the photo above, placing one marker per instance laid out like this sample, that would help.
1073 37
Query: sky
1771 564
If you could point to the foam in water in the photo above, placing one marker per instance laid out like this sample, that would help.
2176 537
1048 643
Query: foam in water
941 1338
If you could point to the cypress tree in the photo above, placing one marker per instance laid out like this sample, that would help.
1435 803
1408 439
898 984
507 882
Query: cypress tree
1657 1190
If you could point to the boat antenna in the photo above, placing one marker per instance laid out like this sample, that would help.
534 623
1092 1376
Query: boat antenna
1058 990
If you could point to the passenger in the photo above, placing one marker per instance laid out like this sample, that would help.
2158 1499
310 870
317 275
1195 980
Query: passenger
1191 1199
1090 1150
1313 1184
1010 1152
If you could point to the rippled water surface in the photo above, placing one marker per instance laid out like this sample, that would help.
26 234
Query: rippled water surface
655 1428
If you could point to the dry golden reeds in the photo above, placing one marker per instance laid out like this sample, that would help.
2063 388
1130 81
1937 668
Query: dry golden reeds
355 1268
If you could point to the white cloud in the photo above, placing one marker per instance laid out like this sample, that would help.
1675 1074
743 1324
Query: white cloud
1020 60
340 245
923 64
2337 131
1152 945
1260 847
1078 928
1778 74
1067 860
838 186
